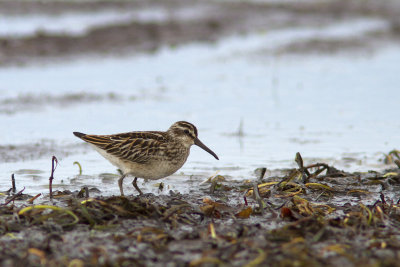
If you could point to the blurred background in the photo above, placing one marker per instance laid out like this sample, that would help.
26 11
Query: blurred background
261 80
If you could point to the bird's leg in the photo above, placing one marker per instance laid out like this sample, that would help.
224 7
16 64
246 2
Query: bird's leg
136 186
120 181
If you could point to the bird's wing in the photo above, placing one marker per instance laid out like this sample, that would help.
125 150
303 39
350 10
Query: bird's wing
137 147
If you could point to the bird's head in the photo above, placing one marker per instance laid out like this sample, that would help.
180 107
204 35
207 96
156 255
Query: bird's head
186 133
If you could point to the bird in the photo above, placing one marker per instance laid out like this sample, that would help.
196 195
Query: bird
147 154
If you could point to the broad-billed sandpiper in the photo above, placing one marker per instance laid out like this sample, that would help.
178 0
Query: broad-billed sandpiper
148 155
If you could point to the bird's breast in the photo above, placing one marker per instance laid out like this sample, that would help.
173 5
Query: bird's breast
165 162
157 168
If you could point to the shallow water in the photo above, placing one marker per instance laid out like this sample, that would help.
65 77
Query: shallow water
340 109
79 23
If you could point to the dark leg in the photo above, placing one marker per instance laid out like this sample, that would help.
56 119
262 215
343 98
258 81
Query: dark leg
136 186
120 180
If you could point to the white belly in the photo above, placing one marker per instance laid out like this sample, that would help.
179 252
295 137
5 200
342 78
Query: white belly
153 170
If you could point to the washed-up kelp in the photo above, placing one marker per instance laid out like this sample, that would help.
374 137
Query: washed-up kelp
312 215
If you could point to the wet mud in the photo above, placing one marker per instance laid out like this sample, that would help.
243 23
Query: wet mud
215 20
312 215
37 150
36 102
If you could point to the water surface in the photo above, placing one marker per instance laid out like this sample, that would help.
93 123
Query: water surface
340 109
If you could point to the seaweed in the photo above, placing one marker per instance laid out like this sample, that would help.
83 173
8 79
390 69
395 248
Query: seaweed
311 215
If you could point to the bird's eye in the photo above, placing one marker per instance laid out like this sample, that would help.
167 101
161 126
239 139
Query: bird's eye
186 131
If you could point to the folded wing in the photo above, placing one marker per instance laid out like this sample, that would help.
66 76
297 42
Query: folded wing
137 147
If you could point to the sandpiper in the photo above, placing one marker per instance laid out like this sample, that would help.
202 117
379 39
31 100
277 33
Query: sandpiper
147 154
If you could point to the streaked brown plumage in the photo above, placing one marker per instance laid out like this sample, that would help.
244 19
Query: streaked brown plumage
149 155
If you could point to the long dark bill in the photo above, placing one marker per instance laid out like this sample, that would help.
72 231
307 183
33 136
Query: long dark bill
197 142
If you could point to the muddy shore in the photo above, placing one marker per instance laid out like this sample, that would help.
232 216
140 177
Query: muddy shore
310 216
214 21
